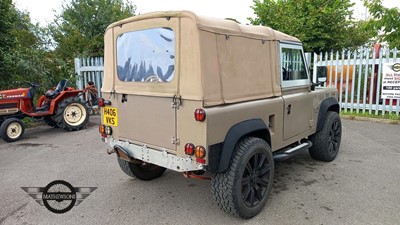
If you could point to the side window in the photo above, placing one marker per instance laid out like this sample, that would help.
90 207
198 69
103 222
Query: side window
293 68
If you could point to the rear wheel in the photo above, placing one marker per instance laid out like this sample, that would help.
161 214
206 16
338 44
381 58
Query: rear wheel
71 114
49 121
142 171
12 129
244 188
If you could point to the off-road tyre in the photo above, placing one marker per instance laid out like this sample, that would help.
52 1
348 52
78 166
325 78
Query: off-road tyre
50 122
71 114
144 171
12 129
243 189
326 142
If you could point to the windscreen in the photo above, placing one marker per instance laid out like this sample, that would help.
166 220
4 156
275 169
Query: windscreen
146 55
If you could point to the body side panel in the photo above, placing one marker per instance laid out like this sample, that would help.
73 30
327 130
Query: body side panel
221 118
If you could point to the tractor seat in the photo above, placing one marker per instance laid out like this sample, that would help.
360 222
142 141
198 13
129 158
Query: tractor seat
60 87
51 94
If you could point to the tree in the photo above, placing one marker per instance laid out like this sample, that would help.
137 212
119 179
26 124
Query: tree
22 57
322 25
7 41
79 29
384 22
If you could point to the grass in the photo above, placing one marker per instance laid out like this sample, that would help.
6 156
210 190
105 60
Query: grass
29 122
392 118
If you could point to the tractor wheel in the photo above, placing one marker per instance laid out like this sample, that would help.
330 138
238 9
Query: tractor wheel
49 121
71 114
12 129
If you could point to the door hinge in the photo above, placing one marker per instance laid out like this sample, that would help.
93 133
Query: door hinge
176 102
112 93
175 140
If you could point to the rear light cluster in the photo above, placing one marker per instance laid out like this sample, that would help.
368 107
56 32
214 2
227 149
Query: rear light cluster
105 130
200 115
199 151
101 102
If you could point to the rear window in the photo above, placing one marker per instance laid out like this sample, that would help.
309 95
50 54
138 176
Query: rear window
146 55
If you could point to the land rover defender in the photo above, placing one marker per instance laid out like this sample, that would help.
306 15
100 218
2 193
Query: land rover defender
193 94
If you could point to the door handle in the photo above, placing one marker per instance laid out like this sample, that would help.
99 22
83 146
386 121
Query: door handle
289 108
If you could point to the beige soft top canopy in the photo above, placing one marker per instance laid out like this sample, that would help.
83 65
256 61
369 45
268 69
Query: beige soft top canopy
221 61
215 25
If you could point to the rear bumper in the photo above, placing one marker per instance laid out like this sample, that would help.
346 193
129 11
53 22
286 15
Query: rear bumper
127 150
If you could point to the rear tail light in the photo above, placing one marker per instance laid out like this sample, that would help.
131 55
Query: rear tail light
102 129
105 130
189 149
200 115
100 102
200 152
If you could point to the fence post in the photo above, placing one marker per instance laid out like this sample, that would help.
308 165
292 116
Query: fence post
398 100
78 73
378 83
315 68
347 79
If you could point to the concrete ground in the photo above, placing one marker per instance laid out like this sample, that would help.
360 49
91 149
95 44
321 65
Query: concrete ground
362 186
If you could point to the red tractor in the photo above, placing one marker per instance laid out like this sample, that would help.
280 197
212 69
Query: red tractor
59 107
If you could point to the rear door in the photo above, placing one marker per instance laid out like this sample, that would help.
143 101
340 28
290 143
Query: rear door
146 83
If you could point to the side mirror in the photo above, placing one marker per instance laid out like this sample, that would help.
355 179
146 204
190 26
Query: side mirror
322 71
321 80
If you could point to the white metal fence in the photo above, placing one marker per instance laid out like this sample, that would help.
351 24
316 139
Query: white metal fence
356 74
358 77
89 69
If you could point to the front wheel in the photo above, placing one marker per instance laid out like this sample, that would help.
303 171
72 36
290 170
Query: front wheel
326 142
12 129
142 171
71 114
244 188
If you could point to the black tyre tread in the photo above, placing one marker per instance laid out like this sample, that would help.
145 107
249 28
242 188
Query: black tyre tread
59 114
318 151
139 172
50 122
222 184
4 125
124 165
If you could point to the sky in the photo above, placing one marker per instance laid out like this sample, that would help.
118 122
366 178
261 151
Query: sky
42 11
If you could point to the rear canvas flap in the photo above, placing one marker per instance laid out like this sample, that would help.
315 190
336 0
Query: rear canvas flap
145 63
108 86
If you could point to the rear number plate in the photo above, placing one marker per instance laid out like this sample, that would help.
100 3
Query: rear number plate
110 116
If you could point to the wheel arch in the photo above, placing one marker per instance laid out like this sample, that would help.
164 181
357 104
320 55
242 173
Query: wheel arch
253 127
60 98
329 104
